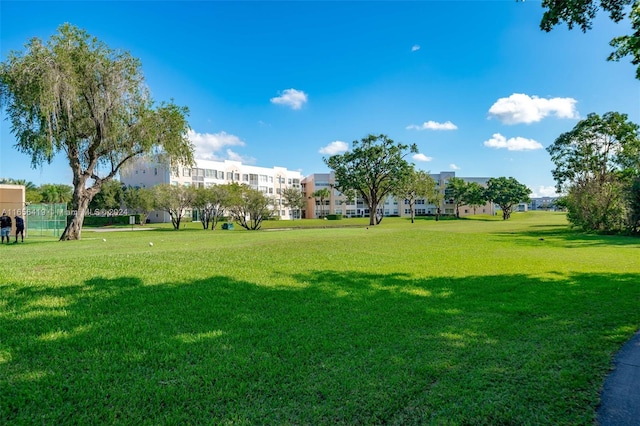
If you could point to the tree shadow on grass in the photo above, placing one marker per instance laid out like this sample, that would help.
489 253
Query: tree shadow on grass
567 237
341 347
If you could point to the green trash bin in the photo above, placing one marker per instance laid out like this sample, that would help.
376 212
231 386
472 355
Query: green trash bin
227 226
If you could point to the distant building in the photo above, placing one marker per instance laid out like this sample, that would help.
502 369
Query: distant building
337 203
146 173
543 203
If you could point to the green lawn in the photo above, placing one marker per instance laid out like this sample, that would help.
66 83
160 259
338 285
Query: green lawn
474 321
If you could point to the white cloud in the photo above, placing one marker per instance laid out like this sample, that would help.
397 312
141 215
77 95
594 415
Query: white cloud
433 125
231 155
521 108
206 145
512 144
544 191
453 167
335 147
421 157
292 98
415 47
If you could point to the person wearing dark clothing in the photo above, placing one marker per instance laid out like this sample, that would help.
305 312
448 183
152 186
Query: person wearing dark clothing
5 227
19 228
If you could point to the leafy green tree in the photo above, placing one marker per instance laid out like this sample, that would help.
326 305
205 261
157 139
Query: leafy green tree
373 168
110 197
294 199
56 193
175 200
474 196
75 95
417 185
581 13
634 206
455 193
140 200
249 207
595 163
212 202
321 195
506 193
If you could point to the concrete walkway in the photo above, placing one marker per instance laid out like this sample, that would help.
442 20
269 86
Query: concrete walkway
620 397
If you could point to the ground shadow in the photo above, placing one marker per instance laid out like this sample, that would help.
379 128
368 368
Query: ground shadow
339 347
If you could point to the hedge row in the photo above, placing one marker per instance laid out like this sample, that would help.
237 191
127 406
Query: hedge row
109 220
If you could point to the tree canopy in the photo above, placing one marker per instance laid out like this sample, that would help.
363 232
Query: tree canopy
249 207
175 200
321 195
506 193
294 199
417 185
581 13
455 193
75 95
595 164
373 168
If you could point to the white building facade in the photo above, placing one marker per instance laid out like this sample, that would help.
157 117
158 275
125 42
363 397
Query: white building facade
147 172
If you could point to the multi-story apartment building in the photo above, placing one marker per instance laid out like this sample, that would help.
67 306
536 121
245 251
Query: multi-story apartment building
337 203
148 172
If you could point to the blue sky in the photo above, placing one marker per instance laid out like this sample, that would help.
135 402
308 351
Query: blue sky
475 84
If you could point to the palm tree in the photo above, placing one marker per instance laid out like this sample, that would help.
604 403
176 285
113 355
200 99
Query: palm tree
322 194
56 193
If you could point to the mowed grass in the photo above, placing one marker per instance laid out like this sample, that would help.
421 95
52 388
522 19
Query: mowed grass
474 321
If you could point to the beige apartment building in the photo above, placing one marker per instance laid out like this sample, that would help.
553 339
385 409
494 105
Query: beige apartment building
148 172
338 204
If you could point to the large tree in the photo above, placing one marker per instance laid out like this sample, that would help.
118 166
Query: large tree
109 199
294 200
175 200
417 185
76 96
455 193
581 13
634 206
212 202
373 168
595 164
506 193
248 206
474 196
140 200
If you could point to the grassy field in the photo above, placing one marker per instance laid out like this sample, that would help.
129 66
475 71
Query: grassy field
475 321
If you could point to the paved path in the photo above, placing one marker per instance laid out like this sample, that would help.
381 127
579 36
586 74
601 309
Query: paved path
620 397
117 229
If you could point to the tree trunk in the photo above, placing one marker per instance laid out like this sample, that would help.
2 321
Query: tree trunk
372 215
73 230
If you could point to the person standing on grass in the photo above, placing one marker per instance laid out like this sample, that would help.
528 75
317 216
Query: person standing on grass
5 227
19 228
